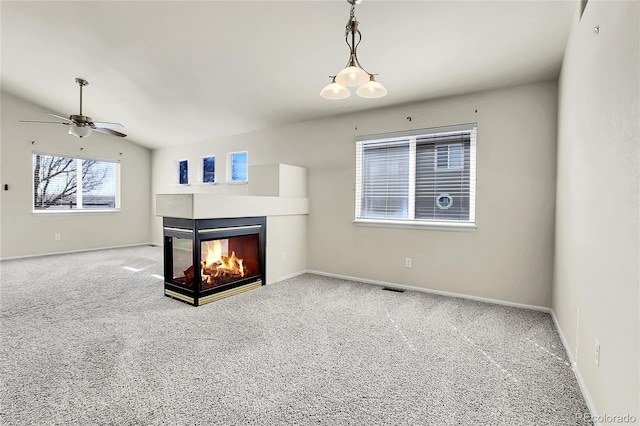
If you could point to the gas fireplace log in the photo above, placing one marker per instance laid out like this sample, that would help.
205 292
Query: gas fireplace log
209 271
228 271
188 275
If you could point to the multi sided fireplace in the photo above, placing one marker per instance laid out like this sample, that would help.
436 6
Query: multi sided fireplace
209 259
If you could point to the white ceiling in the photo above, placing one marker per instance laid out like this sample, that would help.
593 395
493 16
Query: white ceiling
181 72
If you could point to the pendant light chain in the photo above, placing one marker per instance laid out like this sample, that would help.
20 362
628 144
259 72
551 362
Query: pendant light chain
352 17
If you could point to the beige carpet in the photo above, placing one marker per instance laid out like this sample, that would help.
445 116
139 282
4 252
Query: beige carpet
90 339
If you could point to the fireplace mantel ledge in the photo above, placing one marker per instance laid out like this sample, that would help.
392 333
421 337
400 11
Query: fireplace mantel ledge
212 206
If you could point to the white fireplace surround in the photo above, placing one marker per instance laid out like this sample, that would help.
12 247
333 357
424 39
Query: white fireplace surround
212 206
277 191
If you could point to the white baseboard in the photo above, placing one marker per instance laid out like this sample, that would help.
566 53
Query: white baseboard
439 292
79 251
574 366
286 277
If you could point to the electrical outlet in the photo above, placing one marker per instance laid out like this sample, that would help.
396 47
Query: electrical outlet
57 237
597 354
284 256
407 262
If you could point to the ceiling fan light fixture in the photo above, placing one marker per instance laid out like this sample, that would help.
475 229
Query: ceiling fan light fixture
80 131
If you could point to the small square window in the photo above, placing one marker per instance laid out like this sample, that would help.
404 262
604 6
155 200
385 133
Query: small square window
183 176
209 169
237 167
442 153
449 156
455 156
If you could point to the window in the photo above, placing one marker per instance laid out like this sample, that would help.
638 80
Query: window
67 183
422 177
209 169
183 172
237 167
449 156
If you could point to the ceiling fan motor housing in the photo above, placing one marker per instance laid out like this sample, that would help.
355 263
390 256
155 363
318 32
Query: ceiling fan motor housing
81 120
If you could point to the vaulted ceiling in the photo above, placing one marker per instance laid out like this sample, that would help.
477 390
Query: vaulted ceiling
180 72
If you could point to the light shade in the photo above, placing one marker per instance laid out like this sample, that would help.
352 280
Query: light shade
335 91
352 76
80 131
372 89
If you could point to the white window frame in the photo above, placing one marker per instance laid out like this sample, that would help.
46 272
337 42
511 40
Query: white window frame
410 221
229 161
79 208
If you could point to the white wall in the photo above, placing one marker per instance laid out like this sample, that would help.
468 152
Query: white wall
286 246
509 256
597 260
25 233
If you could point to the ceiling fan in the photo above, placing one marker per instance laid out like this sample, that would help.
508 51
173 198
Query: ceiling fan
81 125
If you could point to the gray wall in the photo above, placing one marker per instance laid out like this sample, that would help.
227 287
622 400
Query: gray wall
508 257
597 261
24 233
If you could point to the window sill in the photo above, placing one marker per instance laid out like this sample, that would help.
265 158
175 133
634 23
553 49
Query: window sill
434 226
72 211
244 182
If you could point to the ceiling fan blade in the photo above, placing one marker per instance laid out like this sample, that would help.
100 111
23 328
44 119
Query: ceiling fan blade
107 124
108 131
46 122
67 119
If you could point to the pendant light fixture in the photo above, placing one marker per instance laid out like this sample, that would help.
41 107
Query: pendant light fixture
353 75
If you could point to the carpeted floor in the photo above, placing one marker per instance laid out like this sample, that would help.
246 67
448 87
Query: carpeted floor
90 339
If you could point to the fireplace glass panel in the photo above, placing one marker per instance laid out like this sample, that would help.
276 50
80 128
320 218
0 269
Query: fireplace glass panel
183 261
229 259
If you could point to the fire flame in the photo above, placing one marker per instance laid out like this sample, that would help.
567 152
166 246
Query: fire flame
214 252
217 265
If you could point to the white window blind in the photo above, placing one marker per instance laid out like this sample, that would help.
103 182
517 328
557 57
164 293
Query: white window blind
68 183
385 180
419 177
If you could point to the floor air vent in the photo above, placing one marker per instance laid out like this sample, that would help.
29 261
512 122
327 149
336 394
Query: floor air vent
396 290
